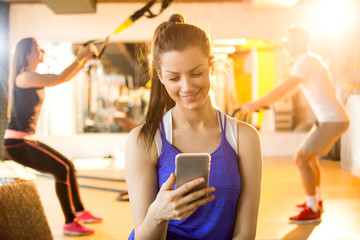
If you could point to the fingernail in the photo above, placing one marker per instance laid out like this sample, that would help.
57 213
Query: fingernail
202 180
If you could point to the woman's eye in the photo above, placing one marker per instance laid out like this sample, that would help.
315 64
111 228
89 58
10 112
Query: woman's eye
173 78
196 74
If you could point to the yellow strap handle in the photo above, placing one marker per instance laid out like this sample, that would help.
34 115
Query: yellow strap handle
127 23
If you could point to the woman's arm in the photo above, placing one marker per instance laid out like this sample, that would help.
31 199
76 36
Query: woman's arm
152 208
141 180
250 167
29 79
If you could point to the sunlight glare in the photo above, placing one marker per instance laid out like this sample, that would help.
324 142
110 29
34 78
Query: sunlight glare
332 15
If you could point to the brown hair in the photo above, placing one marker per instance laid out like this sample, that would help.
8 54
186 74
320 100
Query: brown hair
169 36
20 63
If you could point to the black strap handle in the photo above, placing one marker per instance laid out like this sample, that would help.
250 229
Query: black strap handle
144 11
141 12
164 5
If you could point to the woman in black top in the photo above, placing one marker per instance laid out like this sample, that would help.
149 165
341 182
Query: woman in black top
26 95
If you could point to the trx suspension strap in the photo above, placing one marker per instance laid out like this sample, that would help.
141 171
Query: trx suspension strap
145 11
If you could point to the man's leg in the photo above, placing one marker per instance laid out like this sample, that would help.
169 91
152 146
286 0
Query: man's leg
315 166
309 170
317 171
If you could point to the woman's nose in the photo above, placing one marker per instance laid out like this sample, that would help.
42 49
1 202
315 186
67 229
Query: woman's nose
187 84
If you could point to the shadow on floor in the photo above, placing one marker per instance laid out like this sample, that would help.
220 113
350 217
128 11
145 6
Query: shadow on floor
301 232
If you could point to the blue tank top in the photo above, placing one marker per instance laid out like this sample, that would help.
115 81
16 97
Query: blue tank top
214 221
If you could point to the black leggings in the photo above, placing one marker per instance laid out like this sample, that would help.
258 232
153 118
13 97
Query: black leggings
43 158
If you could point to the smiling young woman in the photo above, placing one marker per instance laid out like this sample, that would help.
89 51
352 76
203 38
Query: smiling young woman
181 119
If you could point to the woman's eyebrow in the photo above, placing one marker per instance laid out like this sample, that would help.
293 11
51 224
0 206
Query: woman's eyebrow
196 67
193 69
168 71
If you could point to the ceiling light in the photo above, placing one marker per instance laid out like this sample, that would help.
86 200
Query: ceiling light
228 49
240 41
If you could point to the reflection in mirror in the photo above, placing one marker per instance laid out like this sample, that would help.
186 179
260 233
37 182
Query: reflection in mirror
112 96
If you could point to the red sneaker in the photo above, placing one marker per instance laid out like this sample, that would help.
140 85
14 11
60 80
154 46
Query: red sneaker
306 216
87 217
301 207
77 229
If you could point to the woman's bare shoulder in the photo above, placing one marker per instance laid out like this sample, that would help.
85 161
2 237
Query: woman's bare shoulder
25 79
133 139
137 149
246 130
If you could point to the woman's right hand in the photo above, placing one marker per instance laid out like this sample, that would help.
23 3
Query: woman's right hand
87 52
177 204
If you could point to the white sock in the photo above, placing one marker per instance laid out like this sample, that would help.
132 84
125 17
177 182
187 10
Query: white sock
312 203
317 189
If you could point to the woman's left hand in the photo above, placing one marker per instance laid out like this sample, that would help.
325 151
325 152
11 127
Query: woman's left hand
177 204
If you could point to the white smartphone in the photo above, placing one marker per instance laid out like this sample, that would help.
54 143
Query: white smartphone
189 166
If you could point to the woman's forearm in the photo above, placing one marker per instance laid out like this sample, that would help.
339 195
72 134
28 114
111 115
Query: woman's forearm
151 229
69 72
244 236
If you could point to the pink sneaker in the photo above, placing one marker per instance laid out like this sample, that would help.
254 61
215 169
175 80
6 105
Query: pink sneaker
301 207
87 217
306 216
77 229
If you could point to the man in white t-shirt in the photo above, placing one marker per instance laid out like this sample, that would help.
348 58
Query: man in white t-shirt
310 73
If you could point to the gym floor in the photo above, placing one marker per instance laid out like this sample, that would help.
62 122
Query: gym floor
281 190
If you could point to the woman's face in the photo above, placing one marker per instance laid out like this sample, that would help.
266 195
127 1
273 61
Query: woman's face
36 54
186 76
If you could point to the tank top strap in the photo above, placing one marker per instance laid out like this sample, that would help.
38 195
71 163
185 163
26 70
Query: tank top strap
162 130
222 127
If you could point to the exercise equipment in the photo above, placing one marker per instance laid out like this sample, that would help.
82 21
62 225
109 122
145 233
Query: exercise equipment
144 11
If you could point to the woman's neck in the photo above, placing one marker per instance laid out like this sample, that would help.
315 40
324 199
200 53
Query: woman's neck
199 118
32 67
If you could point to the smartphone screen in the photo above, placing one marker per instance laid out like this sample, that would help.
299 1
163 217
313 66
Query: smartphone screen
189 166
